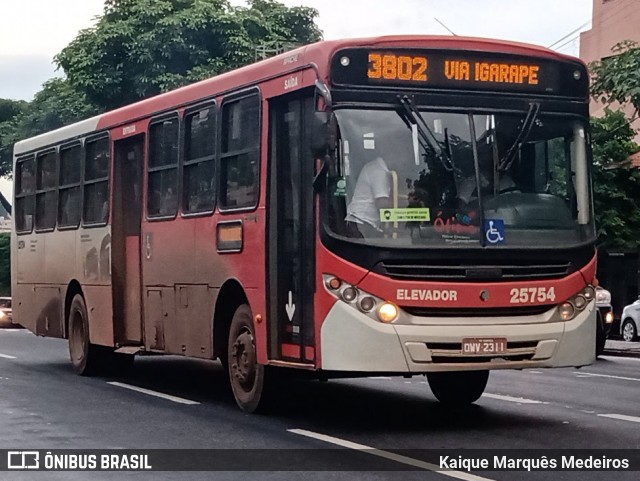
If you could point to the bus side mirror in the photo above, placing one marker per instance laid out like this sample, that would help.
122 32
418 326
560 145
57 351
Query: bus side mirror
320 134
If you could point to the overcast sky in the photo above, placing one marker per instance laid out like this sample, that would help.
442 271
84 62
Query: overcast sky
33 31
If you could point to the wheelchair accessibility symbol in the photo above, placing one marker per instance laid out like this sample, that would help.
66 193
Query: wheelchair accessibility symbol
494 231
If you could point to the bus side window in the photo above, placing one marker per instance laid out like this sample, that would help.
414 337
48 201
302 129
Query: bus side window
46 169
25 194
240 154
69 208
96 182
199 161
162 198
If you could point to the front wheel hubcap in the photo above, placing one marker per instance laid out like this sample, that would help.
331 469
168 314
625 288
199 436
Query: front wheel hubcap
243 365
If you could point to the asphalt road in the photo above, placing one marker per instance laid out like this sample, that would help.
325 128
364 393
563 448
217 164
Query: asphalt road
43 405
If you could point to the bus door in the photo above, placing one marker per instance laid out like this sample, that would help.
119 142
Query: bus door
125 232
291 231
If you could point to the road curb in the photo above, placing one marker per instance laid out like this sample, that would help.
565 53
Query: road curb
622 353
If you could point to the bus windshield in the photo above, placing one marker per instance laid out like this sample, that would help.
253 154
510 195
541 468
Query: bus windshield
435 178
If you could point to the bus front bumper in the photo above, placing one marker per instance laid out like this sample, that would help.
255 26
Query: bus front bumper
352 341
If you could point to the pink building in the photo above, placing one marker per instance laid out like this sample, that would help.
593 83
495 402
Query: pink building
613 21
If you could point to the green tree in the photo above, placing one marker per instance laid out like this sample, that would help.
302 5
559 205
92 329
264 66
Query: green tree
617 78
140 48
56 105
616 186
10 108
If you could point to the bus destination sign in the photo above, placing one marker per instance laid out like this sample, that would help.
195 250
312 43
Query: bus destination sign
460 70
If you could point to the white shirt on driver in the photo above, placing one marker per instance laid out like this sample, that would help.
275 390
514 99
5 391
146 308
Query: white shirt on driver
373 183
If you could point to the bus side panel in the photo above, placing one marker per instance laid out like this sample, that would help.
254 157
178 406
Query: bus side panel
94 274
28 259
99 308
167 261
25 310
60 260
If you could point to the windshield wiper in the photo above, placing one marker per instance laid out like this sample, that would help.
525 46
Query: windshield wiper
427 138
522 136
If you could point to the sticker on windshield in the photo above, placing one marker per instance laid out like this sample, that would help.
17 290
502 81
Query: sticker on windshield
341 188
405 215
494 231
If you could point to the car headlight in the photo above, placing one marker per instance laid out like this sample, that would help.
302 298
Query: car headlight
3 315
603 296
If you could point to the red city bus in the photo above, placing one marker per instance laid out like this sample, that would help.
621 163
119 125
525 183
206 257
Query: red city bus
400 205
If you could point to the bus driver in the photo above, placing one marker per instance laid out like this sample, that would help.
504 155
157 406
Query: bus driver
371 194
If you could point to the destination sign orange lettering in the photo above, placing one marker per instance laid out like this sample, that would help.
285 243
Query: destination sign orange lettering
492 72
397 67
413 68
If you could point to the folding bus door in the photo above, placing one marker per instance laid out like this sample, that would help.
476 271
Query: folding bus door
125 232
291 231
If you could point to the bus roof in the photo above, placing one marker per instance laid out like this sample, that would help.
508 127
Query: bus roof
315 55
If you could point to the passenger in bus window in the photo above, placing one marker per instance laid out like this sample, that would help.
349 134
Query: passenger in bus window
104 210
169 202
371 194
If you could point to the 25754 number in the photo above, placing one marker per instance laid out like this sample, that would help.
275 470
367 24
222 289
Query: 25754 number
528 295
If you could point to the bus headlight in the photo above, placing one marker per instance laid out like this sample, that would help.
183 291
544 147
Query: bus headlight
387 312
589 293
366 303
579 302
373 307
566 311
349 294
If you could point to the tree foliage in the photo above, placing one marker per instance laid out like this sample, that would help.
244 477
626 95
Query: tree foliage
56 105
617 78
616 185
140 48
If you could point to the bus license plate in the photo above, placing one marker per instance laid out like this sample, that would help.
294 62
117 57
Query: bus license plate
485 345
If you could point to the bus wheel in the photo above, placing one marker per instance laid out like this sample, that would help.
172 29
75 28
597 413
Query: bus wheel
458 388
245 374
85 356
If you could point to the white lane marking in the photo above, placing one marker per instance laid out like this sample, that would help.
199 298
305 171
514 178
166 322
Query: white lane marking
6 356
11 330
380 378
388 455
621 417
153 393
535 372
588 374
519 400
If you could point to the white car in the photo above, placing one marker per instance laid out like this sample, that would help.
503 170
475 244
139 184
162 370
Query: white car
630 321
6 317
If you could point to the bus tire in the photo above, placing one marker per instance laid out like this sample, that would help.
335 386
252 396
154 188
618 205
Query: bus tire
246 375
458 388
85 357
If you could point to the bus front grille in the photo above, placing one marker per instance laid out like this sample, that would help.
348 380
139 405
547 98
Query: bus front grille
449 272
